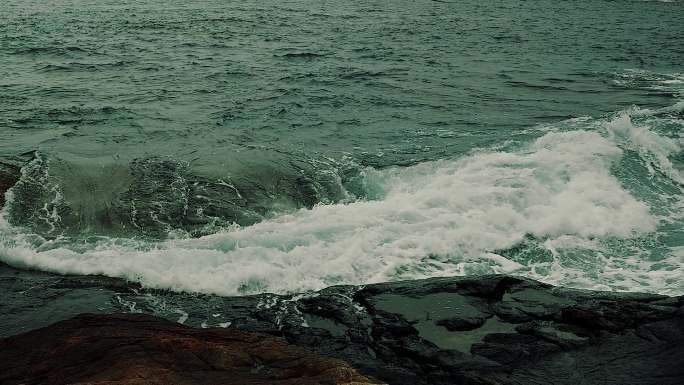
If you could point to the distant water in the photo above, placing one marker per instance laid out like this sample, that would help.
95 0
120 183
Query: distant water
239 147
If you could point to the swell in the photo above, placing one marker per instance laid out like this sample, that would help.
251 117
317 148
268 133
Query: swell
58 195
77 67
592 203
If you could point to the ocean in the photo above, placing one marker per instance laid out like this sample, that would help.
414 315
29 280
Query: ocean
241 147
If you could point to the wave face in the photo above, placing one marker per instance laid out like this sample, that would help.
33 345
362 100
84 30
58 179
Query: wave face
152 196
229 148
593 203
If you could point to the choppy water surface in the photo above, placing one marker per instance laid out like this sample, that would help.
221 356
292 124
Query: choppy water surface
239 147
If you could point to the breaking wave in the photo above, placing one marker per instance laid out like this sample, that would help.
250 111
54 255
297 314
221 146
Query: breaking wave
590 203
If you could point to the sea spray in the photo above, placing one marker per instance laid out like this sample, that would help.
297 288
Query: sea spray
551 209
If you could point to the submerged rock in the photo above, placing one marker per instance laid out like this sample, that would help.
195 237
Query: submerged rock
140 349
476 330
10 172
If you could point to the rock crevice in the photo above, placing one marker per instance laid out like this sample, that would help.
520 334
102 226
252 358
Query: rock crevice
460 330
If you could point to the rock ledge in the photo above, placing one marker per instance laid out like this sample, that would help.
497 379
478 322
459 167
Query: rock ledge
135 349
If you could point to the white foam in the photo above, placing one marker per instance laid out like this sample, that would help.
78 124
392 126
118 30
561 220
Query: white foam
183 316
438 218
653 148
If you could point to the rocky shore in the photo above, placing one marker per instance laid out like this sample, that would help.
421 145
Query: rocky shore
477 330
130 349
482 330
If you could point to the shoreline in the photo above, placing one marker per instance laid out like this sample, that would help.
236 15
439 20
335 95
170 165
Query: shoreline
473 330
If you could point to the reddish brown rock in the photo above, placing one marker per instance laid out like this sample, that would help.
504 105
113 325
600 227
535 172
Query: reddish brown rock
145 350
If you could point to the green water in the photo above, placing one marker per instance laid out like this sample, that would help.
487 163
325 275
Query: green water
237 147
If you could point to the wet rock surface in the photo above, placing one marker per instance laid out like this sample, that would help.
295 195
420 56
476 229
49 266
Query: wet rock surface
482 330
127 349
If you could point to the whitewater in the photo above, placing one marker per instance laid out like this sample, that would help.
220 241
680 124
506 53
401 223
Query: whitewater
240 147
551 209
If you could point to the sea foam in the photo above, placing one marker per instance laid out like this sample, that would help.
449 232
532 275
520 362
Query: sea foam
450 217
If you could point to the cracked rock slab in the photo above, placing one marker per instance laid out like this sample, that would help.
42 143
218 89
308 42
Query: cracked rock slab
458 330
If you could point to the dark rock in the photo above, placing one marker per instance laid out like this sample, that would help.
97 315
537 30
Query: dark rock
10 172
482 330
513 349
458 324
140 349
